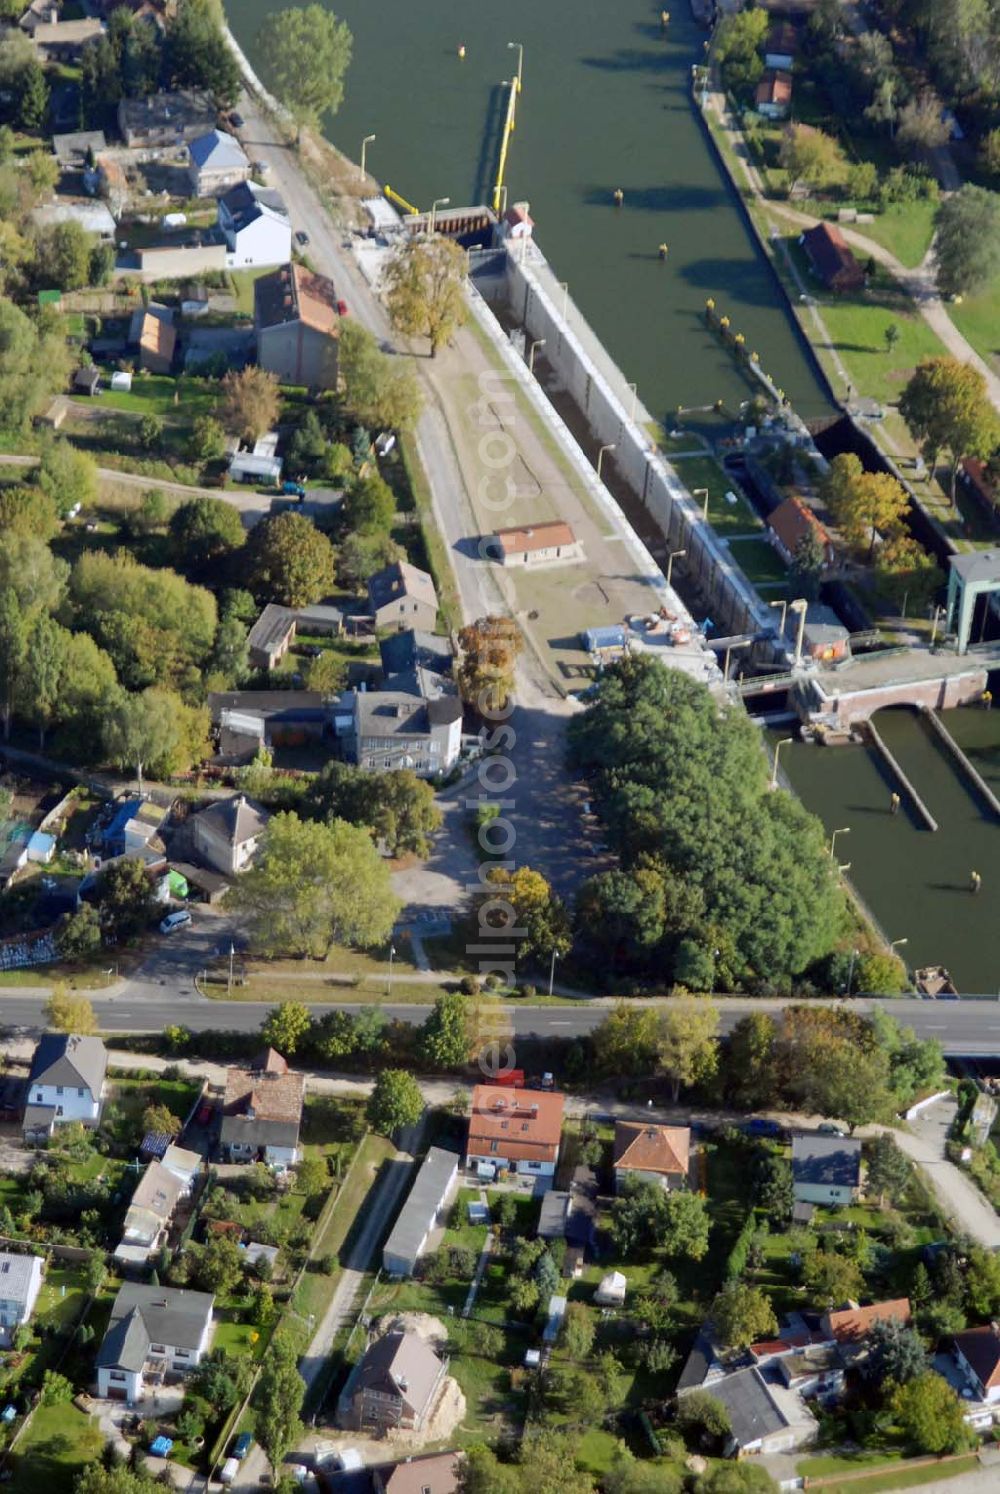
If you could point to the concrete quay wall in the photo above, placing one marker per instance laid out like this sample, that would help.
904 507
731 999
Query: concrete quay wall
602 395
940 694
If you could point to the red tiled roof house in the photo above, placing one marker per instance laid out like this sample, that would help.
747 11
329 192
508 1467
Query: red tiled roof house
830 258
789 525
519 1132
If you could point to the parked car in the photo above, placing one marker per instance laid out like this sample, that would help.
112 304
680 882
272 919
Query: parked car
760 1125
205 1112
830 1128
236 120
301 237
174 921
242 1445
293 489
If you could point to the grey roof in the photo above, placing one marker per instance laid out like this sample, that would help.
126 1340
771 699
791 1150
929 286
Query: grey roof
398 1359
15 1277
429 1188
38 1118
219 151
833 1161
258 1132
753 1413
272 628
554 1215
157 1192
69 1059
320 615
234 820
280 704
75 145
413 647
978 566
401 580
144 1315
247 202
697 1364
420 681
390 713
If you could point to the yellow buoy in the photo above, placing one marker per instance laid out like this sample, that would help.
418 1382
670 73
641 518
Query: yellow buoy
461 49
619 197
664 250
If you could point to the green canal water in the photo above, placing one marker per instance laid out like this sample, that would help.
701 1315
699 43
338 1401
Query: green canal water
916 882
605 104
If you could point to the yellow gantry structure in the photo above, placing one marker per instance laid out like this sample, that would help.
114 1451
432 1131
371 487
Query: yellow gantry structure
508 130
400 201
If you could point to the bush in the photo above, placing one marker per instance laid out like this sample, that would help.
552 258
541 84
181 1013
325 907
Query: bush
528 991
492 983
469 985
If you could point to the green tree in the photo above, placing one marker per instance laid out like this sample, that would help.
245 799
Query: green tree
159 1118
735 1478
889 1168
369 506
702 1417
398 807
982 1283
808 565
773 1189
742 1315
624 1042
922 126
523 900
13 649
312 1176
307 53
687 1042
890 336
381 391
154 731
157 627
931 1414
67 1011
752 1079
361 555
203 531
896 1353
29 510
250 402
219 1266
62 256
579 1331
78 935
444 1035
395 1103
489 650
946 407
809 155
424 287
207 442
967 240
830 1279
34 364
865 505
125 900
280 1393
327 673
289 560
44 656
56 1389
285 1027
197 53
312 886
686 1225
736 50
94 1478
68 475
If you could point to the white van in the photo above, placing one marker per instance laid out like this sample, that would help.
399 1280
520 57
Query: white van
230 1469
175 921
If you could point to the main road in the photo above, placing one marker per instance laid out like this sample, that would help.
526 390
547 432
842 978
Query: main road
968 1029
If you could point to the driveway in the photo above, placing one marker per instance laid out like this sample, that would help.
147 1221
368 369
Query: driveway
961 1200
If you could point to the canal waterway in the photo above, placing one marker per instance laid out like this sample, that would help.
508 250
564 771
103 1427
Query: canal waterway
605 104
917 882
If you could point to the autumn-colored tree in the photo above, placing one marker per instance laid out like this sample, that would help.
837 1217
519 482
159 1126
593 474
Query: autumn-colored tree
250 402
907 572
532 907
489 649
425 290
687 1042
946 408
865 505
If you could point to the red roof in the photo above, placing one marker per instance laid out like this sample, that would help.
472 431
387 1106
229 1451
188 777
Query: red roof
854 1323
830 255
525 1126
647 1148
792 520
535 537
775 87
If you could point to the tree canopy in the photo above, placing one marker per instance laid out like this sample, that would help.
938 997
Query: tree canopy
397 807
967 240
425 290
289 560
305 55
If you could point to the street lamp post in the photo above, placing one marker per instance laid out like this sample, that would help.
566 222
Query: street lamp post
744 643
674 555
703 494
539 342
364 147
518 47
438 202
392 956
783 604
843 830
801 606
937 618
635 396
611 446
552 969
774 765
898 943
850 970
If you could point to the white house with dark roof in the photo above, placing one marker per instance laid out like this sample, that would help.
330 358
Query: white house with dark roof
399 729
65 1083
826 1169
225 834
216 161
256 226
20 1283
155 1332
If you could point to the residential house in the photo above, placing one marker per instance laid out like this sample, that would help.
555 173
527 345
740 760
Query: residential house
848 1327
246 720
433 1190
396 1383
255 224
148 1217
977 1354
774 94
216 161
398 729
401 596
155 1333
415 649
63 41
20 1283
297 322
830 258
269 640
437 1473
37 13
78 149
536 545
262 1113
226 834
65 1083
153 332
514 1131
184 1165
164 120
826 1169
764 1417
651 1154
781 46
792 522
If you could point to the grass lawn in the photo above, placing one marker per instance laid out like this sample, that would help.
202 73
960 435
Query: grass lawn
758 560
132 1096
59 1441
171 399
243 284
978 319
905 229
902 1478
726 518
374 1150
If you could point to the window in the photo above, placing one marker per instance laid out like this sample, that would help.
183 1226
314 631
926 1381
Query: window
494 1146
157 1349
38 1098
81 1093
59 1089
117 1376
